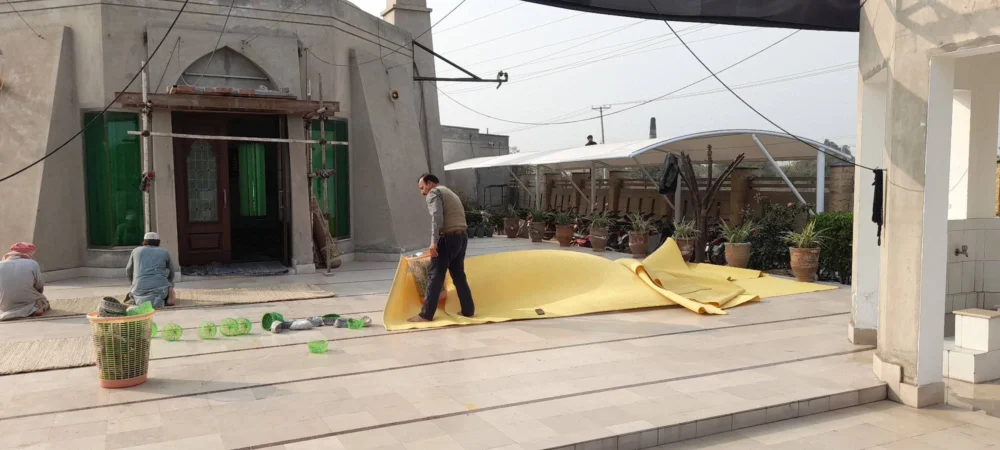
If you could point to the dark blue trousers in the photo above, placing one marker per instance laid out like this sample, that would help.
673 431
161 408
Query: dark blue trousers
451 259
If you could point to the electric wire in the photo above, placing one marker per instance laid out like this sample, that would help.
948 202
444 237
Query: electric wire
515 33
215 48
276 22
12 8
748 105
480 17
625 109
106 108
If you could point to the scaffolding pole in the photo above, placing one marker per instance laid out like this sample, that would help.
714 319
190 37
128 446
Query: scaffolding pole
211 137
538 188
147 209
593 185
780 172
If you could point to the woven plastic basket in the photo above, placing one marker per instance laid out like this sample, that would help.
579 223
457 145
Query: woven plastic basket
121 348
420 272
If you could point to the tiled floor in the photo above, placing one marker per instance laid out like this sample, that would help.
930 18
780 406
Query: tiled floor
642 377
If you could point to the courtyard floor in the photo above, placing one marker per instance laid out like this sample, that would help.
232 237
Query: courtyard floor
778 374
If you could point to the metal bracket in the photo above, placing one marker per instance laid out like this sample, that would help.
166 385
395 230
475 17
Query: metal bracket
502 77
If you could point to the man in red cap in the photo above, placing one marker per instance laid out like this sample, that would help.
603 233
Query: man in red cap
21 284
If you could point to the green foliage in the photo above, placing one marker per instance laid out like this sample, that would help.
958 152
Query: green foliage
768 248
640 224
473 218
511 212
565 218
685 230
599 220
809 237
738 234
836 254
540 216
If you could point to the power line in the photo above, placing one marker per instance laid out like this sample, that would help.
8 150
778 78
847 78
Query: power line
606 56
764 82
515 33
481 17
22 20
106 108
276 22
214 49
625 109
762 116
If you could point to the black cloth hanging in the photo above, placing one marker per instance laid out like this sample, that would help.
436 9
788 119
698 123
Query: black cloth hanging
668 180
877 203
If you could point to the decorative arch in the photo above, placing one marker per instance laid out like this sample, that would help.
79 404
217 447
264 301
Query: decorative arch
229 68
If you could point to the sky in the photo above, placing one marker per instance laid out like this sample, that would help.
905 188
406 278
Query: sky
562 63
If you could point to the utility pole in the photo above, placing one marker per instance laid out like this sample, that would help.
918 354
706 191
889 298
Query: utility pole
601 109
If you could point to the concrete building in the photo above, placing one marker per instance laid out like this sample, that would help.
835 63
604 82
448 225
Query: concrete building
214 201
927 113
485 187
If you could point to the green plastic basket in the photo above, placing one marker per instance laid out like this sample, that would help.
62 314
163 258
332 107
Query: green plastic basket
270 318
207 330
318 347
245 325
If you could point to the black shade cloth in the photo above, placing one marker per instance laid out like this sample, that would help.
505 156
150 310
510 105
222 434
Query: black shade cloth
668 179
828 15
877 203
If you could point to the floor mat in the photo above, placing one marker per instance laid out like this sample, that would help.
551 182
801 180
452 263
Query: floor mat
246 269
539 284
199 298
32 356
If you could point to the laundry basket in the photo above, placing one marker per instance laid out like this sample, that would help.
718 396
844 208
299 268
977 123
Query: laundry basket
420 272
121 348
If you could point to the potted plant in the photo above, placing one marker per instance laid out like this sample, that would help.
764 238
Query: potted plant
804 251
564 228
686 236
599 223
474 221
511 222
536 226
737 242
638 238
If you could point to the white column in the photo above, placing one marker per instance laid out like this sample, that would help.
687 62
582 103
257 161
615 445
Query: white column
862 329
958 189
820 182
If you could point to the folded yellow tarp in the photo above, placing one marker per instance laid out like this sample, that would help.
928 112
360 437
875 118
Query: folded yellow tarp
555 283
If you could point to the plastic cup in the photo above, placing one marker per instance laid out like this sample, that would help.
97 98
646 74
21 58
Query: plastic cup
229 327
318 347
355 324
245 325
172 332
207 330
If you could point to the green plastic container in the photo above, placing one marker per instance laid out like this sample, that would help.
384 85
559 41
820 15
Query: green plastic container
207 330
355 324
172 332
229 327
270 318
153 332
245 325
144 308
318 347
330 319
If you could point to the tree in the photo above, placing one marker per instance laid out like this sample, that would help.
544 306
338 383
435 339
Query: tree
702 202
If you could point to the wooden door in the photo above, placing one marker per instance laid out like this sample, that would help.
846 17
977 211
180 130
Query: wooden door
203 206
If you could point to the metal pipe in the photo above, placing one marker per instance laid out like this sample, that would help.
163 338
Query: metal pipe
570 178
651 180
520 183
593 187
820 181
209 137
538 188
780 172
147 209
235 77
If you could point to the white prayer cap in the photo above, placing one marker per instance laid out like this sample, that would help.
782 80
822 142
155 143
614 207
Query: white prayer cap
151 236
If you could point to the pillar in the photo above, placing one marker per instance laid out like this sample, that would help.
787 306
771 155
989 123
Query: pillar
820 182
958 192
863 325
913 263
982 152
739 189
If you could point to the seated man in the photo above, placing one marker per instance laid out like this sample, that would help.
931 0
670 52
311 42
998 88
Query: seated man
21 284
151 273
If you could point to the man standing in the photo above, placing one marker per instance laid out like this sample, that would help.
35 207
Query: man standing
590 141
448 244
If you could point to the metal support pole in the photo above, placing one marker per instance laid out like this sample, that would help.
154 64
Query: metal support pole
538 188
147 210
593 187
570 178
326 181
520 183
780 172
820 182
651 180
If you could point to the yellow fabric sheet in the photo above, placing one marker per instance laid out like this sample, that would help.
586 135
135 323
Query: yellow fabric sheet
539 284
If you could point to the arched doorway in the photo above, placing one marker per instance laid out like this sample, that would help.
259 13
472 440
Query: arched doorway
225 68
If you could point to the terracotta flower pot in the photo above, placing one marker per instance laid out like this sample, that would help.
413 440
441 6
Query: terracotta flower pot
638 244
523 229
564 234
805 263
737 255
687 247
511 227
598 239
537 231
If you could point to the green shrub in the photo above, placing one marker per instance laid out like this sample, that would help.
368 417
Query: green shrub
835 256
768 249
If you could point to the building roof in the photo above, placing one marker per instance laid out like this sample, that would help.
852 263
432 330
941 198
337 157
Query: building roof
726 145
